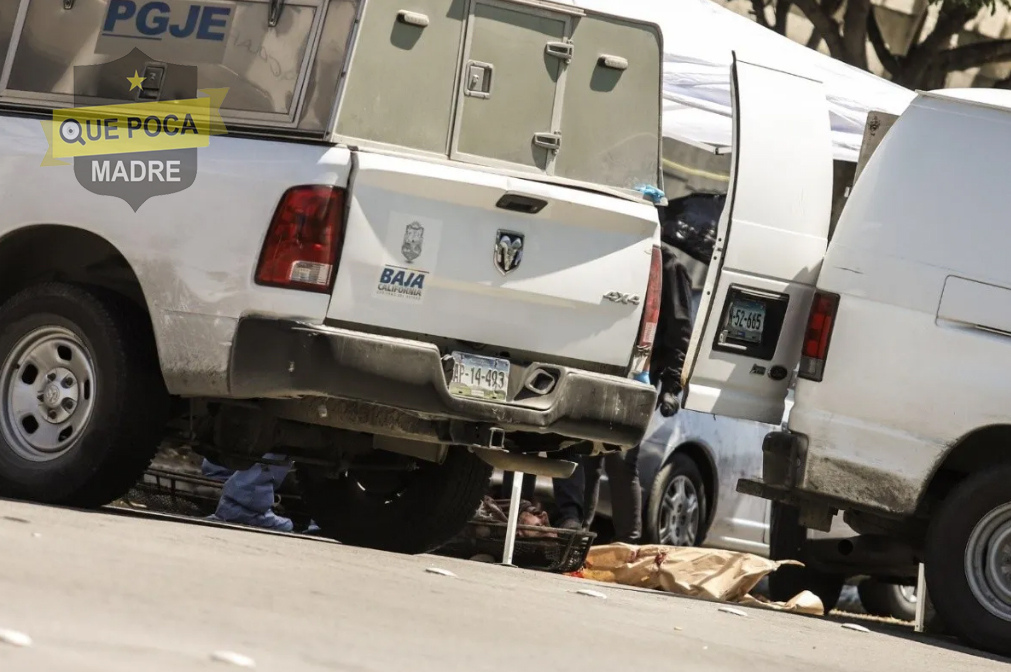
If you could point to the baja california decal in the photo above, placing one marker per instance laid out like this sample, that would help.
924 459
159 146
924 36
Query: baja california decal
412 249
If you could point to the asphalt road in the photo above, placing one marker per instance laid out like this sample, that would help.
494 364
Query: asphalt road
110 592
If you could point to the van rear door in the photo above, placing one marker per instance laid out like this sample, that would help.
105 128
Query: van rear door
770 244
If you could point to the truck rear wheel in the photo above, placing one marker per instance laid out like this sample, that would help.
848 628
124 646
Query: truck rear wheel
82 400
968 560
401 511
786 542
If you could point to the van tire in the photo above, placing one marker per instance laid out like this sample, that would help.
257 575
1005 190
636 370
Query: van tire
432 505
679 466
885 599
949 537
122 404
787 539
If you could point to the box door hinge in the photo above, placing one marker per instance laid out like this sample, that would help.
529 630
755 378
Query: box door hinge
560 50
549 141
274 12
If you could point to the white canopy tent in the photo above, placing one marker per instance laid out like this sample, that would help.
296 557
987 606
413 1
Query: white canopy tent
700 35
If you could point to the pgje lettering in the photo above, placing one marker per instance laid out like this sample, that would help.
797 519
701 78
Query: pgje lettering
154 20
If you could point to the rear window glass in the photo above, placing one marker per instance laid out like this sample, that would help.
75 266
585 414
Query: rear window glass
229 40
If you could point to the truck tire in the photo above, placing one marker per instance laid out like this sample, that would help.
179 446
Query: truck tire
890 600
677 506
968 560
411 512
83 403
786 542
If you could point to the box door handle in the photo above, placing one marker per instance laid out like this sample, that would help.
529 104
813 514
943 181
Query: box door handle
154 79
412 18
549 141
560 50
479 79
613 62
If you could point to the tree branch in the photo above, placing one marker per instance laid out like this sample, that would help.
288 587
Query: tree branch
855 31
877 40
824 25
759 8
974 55
782 14
831 6
951 20
1003 84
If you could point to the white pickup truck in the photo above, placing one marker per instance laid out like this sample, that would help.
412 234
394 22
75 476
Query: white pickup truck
426 244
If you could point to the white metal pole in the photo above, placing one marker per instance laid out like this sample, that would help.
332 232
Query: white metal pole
514 517
921 601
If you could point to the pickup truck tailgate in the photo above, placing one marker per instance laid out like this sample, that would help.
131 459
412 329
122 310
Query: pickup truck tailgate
433 249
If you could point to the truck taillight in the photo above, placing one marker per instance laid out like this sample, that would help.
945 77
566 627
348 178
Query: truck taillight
303 242
650 315
820 323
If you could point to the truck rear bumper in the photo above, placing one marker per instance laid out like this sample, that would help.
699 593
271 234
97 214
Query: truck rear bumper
273 359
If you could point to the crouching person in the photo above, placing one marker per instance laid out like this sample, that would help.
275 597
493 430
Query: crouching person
247 496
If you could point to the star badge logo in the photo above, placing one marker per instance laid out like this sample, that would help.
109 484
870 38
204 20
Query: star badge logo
135 81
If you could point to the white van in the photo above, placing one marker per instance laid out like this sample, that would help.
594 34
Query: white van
901 418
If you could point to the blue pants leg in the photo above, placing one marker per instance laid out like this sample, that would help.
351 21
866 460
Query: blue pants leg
248 496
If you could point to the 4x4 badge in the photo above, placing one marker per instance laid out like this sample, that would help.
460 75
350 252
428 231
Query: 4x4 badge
508 250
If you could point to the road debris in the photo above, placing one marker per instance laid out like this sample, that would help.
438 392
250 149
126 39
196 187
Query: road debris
735 612
855 627
440 572
14 638
233 658
591 593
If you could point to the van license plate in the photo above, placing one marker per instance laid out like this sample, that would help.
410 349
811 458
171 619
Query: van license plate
479 377
745 321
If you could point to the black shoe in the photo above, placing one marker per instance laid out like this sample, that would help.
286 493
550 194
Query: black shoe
569 524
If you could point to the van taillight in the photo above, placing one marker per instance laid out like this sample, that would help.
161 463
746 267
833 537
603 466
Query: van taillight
302 247
818 335
650 315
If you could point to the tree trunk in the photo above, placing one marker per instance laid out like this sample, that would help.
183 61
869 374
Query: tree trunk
855 32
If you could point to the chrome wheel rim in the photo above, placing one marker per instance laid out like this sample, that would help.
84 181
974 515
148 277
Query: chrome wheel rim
48 381
679 513
908 593
988 562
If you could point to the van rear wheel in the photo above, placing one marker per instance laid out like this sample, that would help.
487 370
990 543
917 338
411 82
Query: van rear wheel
402 511
968 560
890 600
